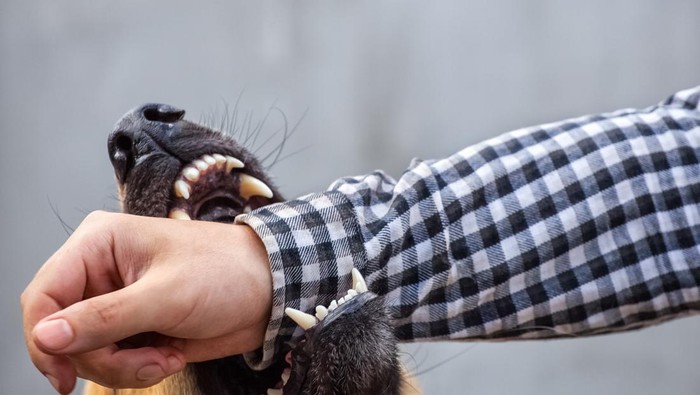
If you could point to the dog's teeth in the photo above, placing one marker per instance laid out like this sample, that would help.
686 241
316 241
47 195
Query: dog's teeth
191 174
305 321
341 301
251 186
351 294
200 164
220 160
233 163
274 391
286 373
182 189
321 312
209 159
332 306
358 282
179 214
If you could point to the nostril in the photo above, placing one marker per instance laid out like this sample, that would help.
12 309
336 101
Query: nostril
163 113
122 154
123 143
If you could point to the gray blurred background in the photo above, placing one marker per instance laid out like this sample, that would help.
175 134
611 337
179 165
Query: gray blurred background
382 82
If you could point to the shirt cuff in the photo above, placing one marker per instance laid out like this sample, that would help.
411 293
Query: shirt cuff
313 243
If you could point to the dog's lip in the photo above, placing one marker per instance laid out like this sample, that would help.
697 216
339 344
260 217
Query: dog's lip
308 321
294 375
215 177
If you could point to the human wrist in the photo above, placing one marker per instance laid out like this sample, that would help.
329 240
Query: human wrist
261 282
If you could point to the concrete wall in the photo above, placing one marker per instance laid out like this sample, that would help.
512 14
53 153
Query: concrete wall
382 82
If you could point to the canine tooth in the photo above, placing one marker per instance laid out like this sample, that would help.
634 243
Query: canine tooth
286 373
233 163
191 174
182 189
209 159
251 186
200 164
358 282
321 312
179 214
305 321
332 306
220 160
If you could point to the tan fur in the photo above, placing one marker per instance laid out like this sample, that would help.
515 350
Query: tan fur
181 383
409 384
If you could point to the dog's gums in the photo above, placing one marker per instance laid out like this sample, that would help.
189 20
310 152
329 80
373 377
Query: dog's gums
209 190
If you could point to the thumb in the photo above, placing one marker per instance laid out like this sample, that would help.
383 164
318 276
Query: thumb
102 320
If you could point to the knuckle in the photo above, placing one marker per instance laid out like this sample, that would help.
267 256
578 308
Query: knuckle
102 219
94 223
106 222
112 378
109 374
104 311
95 216
98 373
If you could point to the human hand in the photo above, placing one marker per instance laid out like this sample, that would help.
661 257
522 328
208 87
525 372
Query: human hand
201 290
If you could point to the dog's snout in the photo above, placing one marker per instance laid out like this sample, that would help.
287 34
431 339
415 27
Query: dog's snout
139 132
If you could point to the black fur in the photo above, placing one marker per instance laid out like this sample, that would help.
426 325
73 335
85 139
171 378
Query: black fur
352 351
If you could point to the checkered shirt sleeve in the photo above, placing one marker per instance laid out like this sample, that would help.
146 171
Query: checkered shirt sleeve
579 227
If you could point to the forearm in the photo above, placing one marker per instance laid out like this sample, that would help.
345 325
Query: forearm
579 227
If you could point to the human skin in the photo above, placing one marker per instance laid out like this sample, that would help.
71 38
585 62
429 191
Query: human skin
120 275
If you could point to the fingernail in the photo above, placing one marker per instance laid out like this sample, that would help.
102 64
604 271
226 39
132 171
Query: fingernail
150 372
54 382
54 334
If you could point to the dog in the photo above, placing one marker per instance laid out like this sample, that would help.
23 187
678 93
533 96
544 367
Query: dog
166 166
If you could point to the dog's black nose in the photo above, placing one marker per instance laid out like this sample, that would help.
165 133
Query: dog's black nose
136 132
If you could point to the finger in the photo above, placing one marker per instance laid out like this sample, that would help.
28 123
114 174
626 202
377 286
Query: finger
58 369
129 368
62 281
103 320
61 374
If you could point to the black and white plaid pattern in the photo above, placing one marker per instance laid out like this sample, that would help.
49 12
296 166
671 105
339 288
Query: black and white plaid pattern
579 227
